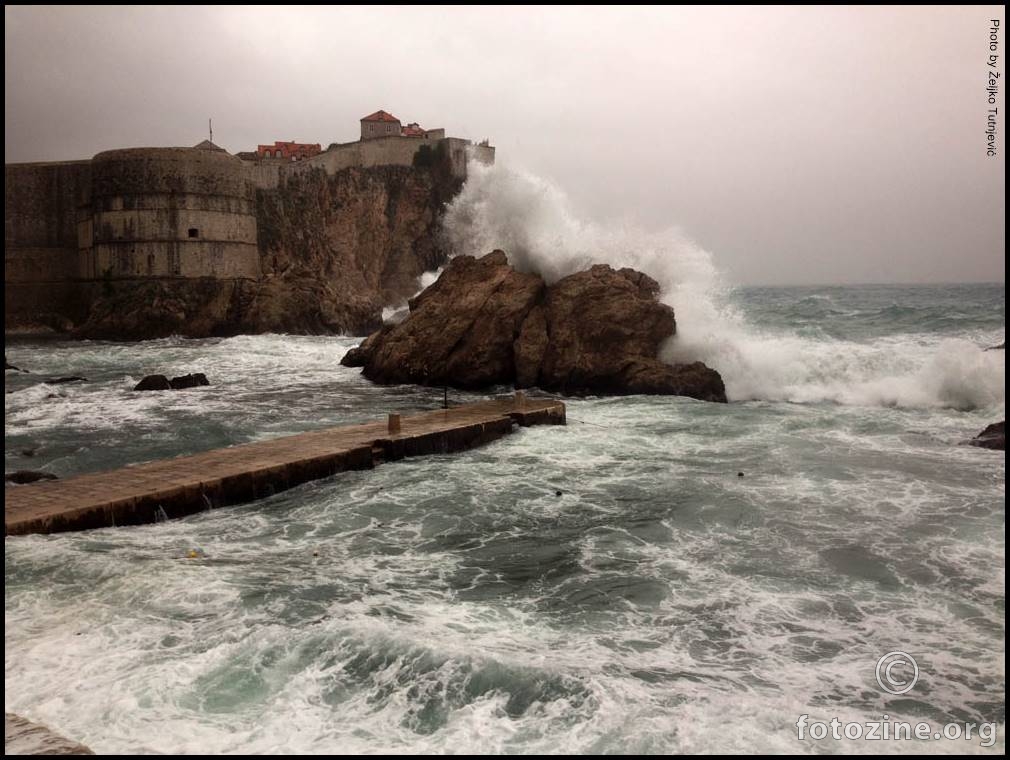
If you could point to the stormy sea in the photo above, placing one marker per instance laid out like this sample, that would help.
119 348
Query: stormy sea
660 575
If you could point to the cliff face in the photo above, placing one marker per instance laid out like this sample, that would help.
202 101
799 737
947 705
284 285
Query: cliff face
333 251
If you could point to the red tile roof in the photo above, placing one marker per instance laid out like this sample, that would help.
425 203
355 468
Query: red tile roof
380 116
412 130
289 149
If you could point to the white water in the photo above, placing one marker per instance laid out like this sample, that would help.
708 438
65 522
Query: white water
457 604
533 222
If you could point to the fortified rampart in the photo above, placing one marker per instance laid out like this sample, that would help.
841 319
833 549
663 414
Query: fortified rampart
169 214
399 151
41 201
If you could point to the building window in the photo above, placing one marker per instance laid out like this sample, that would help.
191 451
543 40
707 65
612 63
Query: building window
194 232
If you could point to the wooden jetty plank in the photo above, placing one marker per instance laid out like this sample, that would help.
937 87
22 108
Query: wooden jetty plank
166 488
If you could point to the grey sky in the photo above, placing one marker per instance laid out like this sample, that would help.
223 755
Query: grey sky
801 145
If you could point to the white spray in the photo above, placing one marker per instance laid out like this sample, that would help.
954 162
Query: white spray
532 221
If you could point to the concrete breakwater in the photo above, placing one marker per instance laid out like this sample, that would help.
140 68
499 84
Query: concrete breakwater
170 488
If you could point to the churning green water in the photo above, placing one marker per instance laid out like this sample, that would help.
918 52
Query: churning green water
661 603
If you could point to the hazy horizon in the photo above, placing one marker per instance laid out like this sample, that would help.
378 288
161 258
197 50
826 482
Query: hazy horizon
800 146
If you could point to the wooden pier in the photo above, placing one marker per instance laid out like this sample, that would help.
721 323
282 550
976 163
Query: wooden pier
168 488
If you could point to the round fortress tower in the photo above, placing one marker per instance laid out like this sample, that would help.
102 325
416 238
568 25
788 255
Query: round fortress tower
169 212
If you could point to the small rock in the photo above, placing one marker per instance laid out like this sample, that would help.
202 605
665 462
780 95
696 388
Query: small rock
739 474
360 355
28 476
355 357
68 379
194 380
29 452
1000 347
993 437
153 383
557 493
8 367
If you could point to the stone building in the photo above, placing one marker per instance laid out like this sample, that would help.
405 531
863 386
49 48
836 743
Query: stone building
384 124
380 124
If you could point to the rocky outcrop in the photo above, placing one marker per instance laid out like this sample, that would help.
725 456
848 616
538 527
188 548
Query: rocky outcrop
162 383
334 250
484 323
993 437
153 383
195 380
600 331
461 329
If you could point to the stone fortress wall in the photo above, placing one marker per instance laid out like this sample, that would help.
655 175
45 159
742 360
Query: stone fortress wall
399 151
41 257
146 213
169 212
267 173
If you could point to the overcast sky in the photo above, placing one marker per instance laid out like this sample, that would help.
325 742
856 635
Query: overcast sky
798 145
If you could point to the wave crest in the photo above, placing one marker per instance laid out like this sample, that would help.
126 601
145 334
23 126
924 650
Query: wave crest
531 219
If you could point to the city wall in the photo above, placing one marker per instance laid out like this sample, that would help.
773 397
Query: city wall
157 213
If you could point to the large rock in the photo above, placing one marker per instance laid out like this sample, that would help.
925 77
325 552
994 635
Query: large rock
600 332
653 377
483 323
153 383
993 437
194 380
531 347
461 329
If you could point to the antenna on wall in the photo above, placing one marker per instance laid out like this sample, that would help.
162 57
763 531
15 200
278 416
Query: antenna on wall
210 128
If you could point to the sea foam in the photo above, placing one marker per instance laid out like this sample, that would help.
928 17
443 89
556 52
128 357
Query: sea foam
532 220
